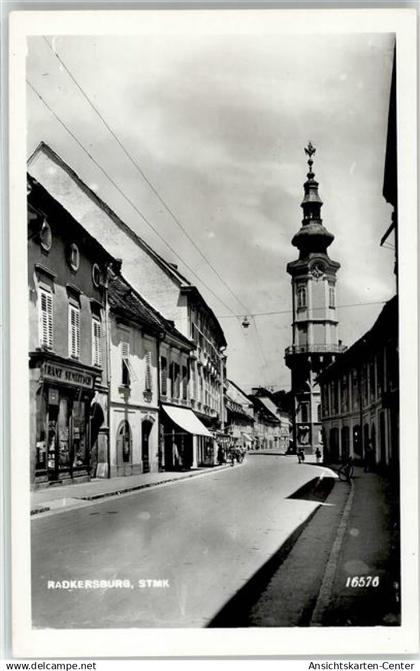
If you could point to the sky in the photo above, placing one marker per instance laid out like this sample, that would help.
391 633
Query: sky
218 124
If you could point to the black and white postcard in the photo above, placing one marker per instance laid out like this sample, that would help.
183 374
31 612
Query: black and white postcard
214 332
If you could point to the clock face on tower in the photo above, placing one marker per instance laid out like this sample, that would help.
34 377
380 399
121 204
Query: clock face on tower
317 270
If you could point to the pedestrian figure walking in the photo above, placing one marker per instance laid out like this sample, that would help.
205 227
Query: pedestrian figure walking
300 455
318 455
369 457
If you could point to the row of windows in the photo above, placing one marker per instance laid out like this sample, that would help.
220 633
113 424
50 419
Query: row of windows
178 379
46 328
304 413
201 340
205 390
302 299
376 376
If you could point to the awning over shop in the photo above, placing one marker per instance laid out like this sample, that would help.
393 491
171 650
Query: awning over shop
247 437
187 420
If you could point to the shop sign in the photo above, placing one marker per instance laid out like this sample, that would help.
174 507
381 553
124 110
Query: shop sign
59 373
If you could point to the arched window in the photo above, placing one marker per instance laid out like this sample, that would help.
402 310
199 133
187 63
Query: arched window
301 297
331 293
124 442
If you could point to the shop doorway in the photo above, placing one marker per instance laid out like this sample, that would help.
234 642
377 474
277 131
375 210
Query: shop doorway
52 443
145 436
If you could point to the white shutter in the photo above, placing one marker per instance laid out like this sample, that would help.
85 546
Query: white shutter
125 355
125 350
45 318
148 380
74 331
96 343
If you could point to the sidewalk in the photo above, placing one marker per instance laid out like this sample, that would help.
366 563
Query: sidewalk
370 547
57 497
353 534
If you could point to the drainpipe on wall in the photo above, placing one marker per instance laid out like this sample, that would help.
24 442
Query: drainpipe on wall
222 394
108 367
159 338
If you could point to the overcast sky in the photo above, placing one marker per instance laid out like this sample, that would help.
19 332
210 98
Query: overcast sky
218 124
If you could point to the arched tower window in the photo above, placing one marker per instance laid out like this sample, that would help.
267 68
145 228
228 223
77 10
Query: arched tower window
301 297
331 291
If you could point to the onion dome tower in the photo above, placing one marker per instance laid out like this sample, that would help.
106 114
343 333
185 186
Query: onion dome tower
315 343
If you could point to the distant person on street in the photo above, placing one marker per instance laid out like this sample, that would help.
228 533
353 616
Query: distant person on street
300 456
220 455
369 457
318 455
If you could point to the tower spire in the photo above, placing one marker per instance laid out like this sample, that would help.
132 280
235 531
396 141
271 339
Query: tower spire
312 237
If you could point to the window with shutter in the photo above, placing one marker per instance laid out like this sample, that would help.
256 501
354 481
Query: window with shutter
74 331
177 380
194 379
184 382
96 343
148 376
125 353
45 319
163 376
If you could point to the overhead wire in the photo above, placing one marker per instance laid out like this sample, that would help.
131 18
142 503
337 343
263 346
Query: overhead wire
124 195
289 312
142 173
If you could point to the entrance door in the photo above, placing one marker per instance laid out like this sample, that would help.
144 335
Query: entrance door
52 443
146 429
382 438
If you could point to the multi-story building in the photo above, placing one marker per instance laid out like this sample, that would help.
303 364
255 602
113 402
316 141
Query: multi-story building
158 281
272 425
315 340
239 416
360 391
360 396
147 357
67 271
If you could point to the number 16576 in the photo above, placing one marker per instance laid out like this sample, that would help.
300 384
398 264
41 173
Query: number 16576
362 581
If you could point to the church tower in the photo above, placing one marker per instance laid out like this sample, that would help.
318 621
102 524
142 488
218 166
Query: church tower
315 343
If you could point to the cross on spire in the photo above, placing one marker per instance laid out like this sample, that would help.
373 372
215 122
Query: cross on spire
310 151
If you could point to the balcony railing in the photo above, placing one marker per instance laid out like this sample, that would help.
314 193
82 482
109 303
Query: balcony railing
315 349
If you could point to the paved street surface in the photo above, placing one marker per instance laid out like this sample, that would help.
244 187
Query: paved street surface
205 537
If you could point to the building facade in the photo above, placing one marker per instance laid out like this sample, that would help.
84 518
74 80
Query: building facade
134 390
67 271
272 425
360 397
360 391
158 281
314 329
239 416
